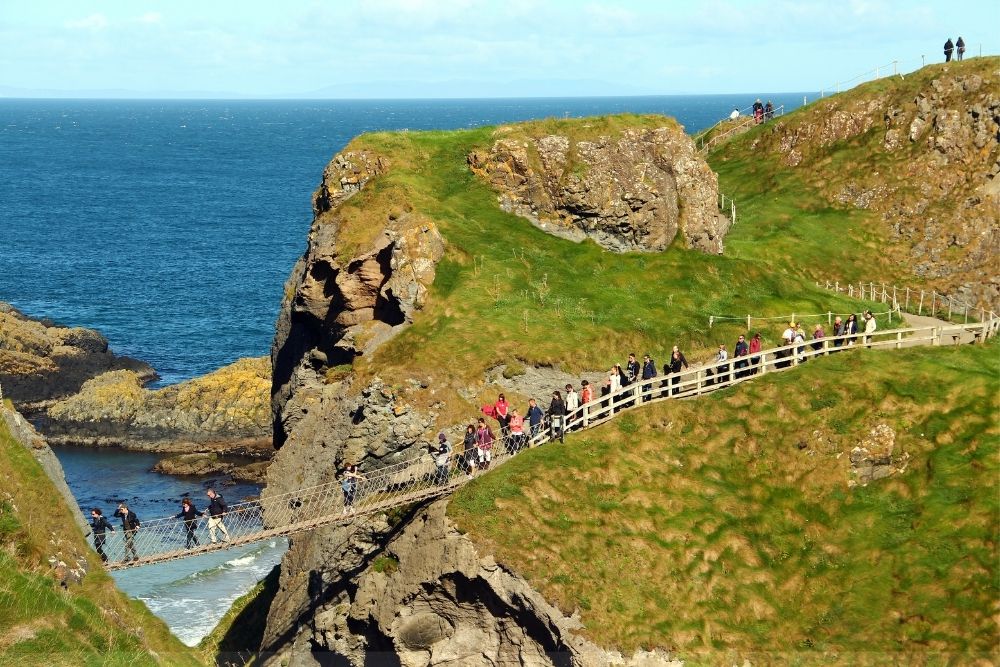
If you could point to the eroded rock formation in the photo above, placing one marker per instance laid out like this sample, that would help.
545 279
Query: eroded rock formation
635 191
41 361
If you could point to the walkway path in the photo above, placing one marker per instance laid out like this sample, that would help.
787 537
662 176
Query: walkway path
418 480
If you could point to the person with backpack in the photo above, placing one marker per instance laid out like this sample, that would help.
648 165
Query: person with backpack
130 524
216 509
189 513
99 525
959 49
948 48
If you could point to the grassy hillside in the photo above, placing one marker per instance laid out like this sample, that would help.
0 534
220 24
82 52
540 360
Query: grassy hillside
91 623
724 527
508 292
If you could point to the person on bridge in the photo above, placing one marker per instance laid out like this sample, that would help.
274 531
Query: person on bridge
484 442
838 330
648 373
572 400
674 370
535 417
130 524
959 49
190 515
632 370
349 484
741 350
501 412
818 336
217 508
948 48
756 345
99 525
442 459
469 455
851 329
557 416
518 438
586 396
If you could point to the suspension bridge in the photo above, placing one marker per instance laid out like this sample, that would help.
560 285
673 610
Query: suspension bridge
419 479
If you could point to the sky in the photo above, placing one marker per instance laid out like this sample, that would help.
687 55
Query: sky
469 48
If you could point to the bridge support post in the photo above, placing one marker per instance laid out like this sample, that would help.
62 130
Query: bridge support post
935 336
899 340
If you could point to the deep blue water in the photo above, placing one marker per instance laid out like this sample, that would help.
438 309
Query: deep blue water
171 226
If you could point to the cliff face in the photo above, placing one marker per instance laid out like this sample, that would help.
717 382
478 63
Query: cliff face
635 191
923 153
41 361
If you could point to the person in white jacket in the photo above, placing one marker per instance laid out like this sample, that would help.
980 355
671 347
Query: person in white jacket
572 402
870 326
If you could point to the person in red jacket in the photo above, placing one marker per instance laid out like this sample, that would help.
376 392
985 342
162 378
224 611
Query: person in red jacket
586 396
755 347
501 412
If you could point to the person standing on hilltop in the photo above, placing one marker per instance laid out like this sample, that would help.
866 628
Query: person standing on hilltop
948 48
959 48
758 112
768 111
99 525
735 114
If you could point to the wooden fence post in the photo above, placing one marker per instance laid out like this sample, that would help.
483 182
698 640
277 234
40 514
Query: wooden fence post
871 291
920 310
748 324
949 309
899 340
933 303
935 336
829 318
966 313
894 294
907 306
850 291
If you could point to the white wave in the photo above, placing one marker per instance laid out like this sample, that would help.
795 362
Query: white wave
245 560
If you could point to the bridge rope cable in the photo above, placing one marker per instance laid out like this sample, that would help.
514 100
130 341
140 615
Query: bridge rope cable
418 478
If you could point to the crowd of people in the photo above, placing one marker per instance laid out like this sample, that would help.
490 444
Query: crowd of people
573 410
189 515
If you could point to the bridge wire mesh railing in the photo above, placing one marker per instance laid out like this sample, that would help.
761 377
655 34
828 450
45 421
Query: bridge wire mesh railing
419 478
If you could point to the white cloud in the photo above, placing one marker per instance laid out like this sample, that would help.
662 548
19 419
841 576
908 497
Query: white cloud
92 22
150 17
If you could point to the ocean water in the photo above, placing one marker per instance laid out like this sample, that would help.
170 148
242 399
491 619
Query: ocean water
171 226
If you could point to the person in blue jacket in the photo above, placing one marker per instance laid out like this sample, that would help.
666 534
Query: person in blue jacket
535 416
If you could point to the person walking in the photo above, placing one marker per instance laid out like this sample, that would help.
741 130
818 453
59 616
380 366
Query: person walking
741 350
484 442
130 524
470 453
190 515
632 371
851 329
818 336
683 359
349 478
768 111
800 343
442 459
838 330
99 526
557 416
758 112
648 373
217 508
535 416
518 438
948 48
755 347
572 402
675 371
501 412
586 397
959 49
870 327
722 371
615 377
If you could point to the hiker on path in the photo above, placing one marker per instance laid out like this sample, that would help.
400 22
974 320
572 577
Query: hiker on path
517 430
721 372
535 416
572 400
800 342
484 442
870 326
675 371
755 347
758 112
615 378
190 515
684 360
851 329
130 524
501 412
557 416
217 508
99 525
349 478
734 115
648 373
838 330
959 49
768 111
818 335
442 459
632 371
741 350
948 48
469 456
586 397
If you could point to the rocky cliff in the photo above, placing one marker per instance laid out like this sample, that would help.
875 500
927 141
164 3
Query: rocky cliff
921 152
634 191
41 361
227 410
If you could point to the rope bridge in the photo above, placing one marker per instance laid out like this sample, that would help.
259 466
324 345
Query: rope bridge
419 479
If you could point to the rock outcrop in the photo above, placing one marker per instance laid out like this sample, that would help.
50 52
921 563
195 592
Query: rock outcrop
928 164
424 596
227 410
41 361
633 191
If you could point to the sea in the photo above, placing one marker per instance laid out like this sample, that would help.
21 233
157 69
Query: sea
171 226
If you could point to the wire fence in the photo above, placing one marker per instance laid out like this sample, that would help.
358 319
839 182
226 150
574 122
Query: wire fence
706 139
421 477
911 300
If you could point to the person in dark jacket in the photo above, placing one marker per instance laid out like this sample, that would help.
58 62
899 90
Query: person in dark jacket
130 524
648 373
948 48
216 509
632 370
768 111
959 48
557 416
675 371
190 515
468 460
99 525
684 360
742 350
535 416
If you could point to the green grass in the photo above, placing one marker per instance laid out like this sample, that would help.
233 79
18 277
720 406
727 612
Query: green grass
42 624
703 527
508 292
239 633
